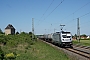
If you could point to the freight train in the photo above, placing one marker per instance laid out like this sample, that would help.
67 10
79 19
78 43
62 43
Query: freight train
62 38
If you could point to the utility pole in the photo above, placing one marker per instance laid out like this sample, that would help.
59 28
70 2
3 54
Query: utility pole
78 30
62 27
32 28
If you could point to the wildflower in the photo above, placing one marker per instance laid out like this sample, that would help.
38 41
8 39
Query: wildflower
18 55
10 55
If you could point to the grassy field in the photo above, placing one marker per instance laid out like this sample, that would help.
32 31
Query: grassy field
82 42
24 49
38 51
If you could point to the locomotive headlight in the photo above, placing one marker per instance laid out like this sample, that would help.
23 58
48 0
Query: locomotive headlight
63 39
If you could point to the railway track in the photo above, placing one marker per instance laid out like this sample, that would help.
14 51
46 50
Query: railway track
81 53
85 47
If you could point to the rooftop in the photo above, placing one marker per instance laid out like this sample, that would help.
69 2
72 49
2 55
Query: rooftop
9 27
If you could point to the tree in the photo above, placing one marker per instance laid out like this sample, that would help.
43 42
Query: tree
1 32
23 32
30 33
17 33
75 36
84 35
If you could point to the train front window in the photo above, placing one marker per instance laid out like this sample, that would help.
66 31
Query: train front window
65 36
68 36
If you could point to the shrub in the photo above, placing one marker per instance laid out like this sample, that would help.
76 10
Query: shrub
1 54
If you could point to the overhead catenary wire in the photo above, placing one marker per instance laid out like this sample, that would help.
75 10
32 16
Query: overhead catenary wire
82 25
79 17
85 25
84 14
55 8
76 10
72 13
52 10
47 9
45 12
81 7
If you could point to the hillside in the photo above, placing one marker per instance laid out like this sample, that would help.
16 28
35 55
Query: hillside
21 47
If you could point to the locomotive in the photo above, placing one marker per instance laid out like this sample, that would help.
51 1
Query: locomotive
62 38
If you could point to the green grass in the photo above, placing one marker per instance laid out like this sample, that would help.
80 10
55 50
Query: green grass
38 51
31 50
82 42
43 51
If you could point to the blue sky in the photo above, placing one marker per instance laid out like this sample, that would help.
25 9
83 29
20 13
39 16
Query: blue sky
47 14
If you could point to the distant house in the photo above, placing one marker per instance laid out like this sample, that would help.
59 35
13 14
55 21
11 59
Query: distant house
88 36
83 37
9 30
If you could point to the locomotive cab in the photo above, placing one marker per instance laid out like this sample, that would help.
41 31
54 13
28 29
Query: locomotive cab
66 39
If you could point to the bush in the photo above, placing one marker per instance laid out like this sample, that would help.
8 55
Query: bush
1 54
12 42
